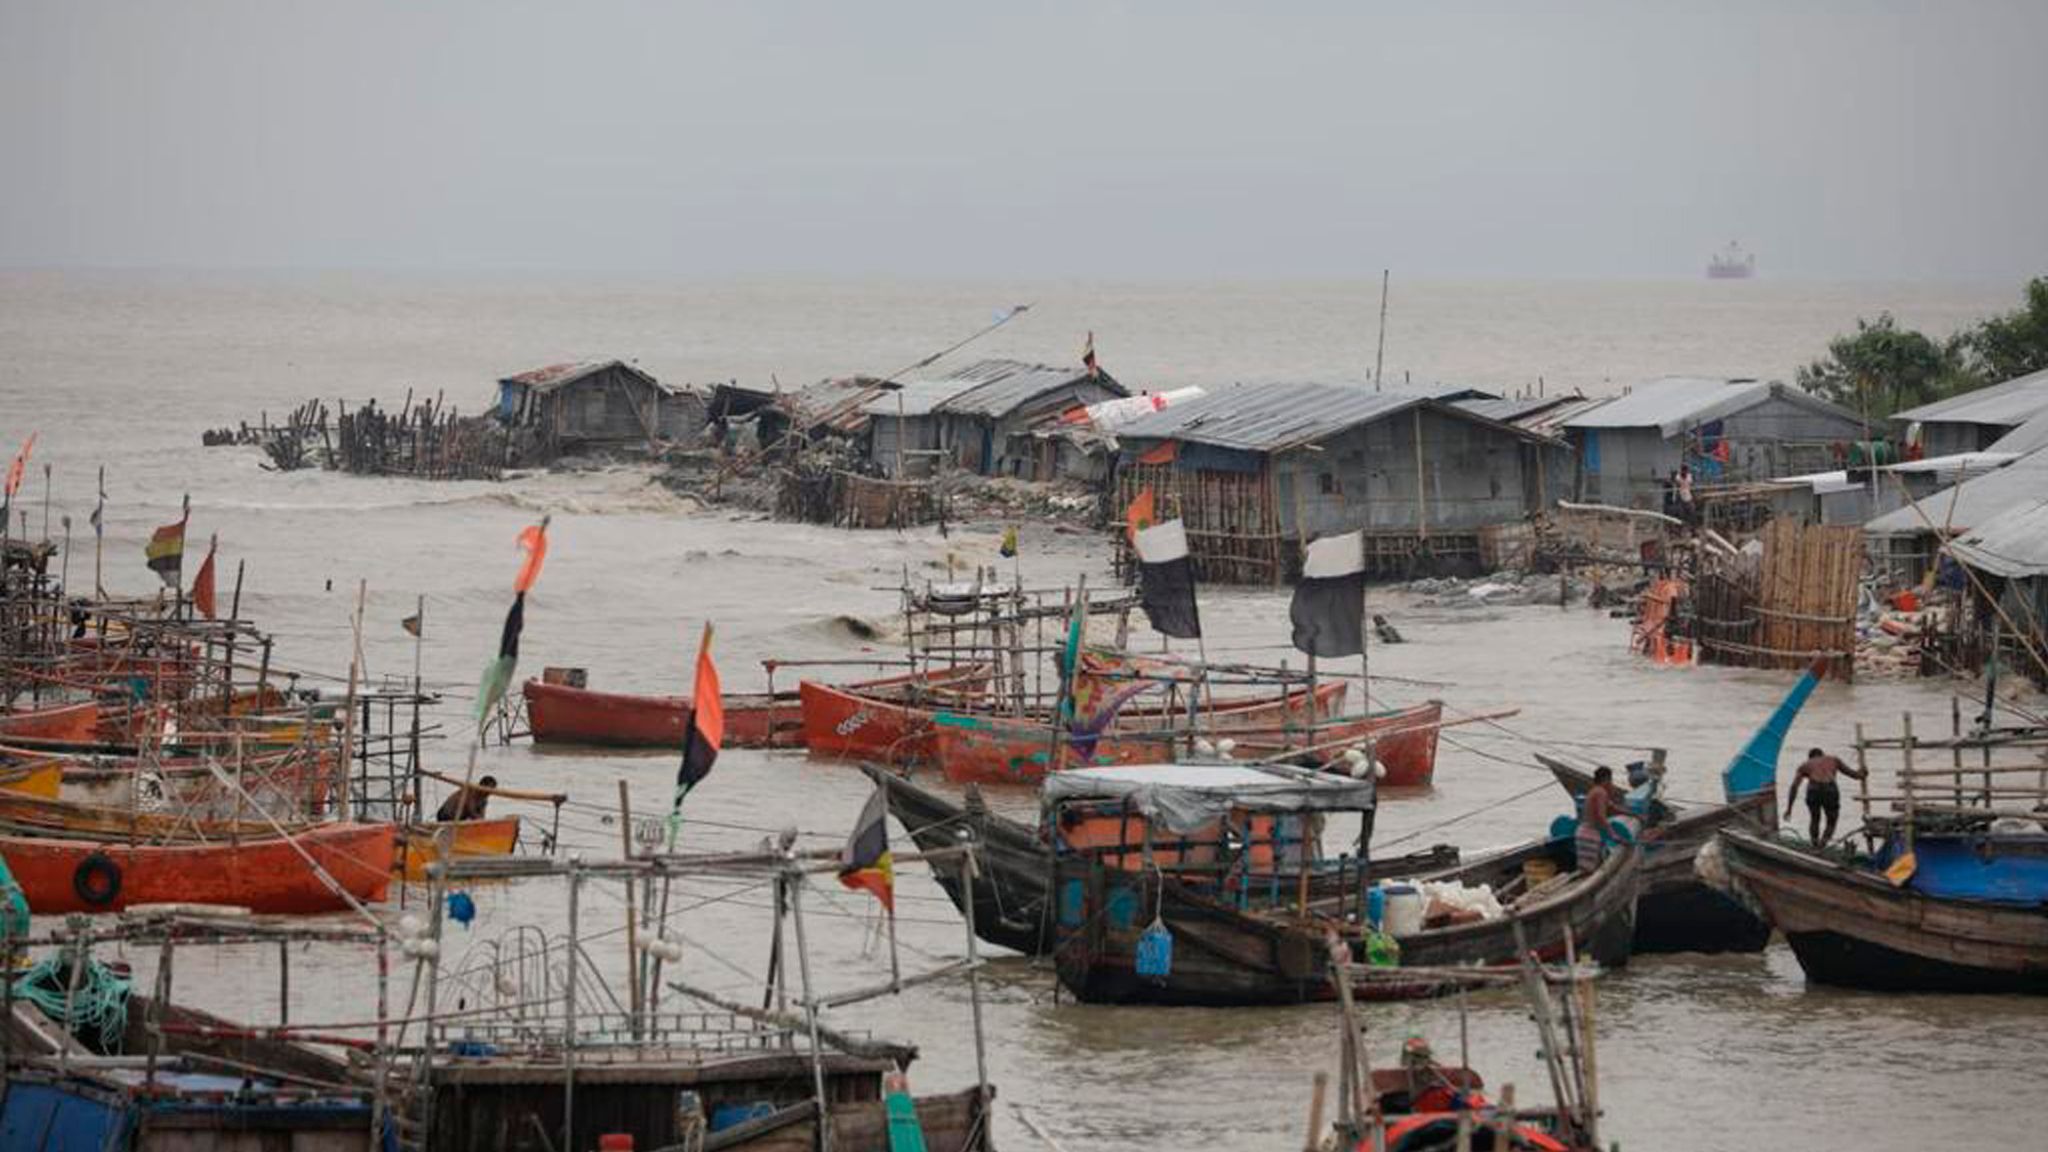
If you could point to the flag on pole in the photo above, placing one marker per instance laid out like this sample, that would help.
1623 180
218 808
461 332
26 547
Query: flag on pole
707 722
865 862
533 538
16 470
1328 610
202 584
1166 580
1088 357
1140 515
99 510
166 551
498 673
411 624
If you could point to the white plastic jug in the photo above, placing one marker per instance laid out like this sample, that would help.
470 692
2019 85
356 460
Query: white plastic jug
1405 908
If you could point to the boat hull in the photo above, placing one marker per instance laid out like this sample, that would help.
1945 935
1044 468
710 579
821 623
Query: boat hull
1678 912
1225 957
979 749
266 876
1849 927
558 713
61 722
420 844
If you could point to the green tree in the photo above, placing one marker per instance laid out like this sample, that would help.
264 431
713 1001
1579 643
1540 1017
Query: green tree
2014 344
1883 369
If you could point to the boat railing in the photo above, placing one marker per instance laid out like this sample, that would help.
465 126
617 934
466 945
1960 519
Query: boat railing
614 1037
1983 776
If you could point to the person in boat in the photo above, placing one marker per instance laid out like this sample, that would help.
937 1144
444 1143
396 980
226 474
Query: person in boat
1602 801
1823 794
468 802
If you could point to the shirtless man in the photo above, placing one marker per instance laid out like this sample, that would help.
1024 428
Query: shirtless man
1823 795
1603 799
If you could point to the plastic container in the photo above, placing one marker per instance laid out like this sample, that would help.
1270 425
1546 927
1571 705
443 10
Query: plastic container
1539 871
1376 906
1404 910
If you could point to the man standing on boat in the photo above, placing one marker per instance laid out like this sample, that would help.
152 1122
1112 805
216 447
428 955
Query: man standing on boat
1601 801
468 802
1823 795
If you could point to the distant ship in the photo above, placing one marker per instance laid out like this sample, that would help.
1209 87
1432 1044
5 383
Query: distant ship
1731 263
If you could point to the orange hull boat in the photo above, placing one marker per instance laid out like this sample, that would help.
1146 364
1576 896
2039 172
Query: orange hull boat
1403 742
68 722
559 713
493 837
267 876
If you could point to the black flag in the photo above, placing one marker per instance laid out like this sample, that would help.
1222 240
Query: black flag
1166 580
1329 604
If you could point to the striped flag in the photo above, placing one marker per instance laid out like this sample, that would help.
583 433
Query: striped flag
498 673
1328 611
707 721
1166 580
166 549
866 863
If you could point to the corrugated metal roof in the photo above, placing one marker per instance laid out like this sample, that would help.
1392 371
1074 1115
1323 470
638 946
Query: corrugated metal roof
2012 543
2025 438
557 375
838 403
1514 409
2001 405
1975 501
916 397
1276 417
1672 403
993 388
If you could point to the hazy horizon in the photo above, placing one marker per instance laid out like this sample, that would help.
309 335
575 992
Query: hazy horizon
1125 142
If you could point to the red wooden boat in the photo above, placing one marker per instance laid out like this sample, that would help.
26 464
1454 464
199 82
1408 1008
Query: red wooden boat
560 713
1001 750
68 722
61 874
998 749
1403 742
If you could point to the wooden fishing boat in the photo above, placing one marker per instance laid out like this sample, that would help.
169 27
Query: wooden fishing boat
1403 742
1850 925
558 713
1237 935
851 726
74 721
1015 861
35 778
1678 911
420 844
293 782
63 874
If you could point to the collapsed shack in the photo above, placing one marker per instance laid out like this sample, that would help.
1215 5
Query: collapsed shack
423 441
1780 602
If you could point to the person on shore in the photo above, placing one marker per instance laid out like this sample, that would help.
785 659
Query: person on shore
1823 794
1601 801
468 802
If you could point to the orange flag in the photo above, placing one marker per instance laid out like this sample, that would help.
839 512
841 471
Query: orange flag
707 720
20 466
202 584
533 538
1140 514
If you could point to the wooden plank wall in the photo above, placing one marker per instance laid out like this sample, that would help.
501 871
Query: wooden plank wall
1806 595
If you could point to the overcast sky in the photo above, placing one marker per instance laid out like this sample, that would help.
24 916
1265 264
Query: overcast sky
1086 140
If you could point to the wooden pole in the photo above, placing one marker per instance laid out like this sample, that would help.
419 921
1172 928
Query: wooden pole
1314 1142
1379 359
99 536
633 999
970 864
803 960
569 1018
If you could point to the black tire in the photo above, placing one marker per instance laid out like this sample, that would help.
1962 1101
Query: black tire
97 880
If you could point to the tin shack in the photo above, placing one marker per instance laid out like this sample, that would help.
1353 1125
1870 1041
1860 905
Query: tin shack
980 418
596 405
1973 420
1256 471
1728 431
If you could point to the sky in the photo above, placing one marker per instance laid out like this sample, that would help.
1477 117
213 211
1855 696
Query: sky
1176 140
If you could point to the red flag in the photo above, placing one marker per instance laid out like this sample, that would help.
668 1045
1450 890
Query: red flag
1140 514
533 538
707 720
202 584
20 466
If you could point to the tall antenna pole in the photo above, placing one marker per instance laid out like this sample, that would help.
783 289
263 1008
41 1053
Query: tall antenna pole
1379 359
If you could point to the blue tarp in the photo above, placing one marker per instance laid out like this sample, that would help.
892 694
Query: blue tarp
53 1119
2001 869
